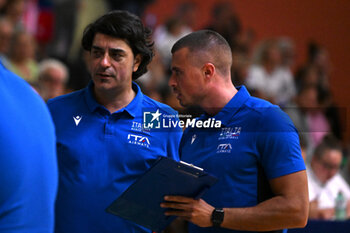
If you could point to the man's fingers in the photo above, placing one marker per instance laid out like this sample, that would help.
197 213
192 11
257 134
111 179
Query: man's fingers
178 199
174 205
179 213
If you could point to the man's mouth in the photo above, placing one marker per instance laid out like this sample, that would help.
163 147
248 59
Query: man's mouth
177 93
104 75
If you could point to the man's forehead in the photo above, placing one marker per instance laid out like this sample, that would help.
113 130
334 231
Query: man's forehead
181 52
100 38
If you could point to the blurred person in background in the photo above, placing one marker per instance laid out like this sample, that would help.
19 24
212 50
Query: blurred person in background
317 71
345 172
13 11
166 35
267 77
6 32
318 58
324 179
28 162
21 56
287 50
308 117
53 77
226 22
87 11
65 14
2 4
175 27
134 6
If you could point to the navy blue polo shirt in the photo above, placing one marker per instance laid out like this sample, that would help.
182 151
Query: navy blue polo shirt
101 154
28 166
257 140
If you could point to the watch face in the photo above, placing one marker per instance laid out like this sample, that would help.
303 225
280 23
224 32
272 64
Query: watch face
217 217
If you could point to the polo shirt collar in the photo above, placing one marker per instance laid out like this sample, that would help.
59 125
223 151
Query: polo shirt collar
135 106
132 108
232 107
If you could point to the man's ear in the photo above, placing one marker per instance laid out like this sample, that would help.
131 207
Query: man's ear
208 70
137 62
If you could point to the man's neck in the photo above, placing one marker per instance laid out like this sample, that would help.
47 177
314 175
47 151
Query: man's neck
218 98
114 100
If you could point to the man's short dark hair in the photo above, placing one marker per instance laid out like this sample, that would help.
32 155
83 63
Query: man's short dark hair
125 26
208 41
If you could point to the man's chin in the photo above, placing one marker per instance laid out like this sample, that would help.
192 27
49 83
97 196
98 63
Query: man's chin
184 103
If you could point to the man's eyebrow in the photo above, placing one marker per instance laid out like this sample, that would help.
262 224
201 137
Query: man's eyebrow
96 47
113 50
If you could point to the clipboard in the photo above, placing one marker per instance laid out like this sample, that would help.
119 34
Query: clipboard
140 203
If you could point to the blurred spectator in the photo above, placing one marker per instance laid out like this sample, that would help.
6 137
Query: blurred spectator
318 58
225 21
187 13
2 4
308 117
305 77
346 169
166 35
155 79
316 72
177 26
134 6
22 56
38 21
241 57
6 32
287 50
13 11
245 42
324 179
65 17
88 11
317 69
268 77
240 67
53 77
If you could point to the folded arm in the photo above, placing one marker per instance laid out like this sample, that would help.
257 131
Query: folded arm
287 209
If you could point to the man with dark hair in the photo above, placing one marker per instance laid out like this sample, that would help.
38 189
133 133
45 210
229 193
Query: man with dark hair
262 184
102 144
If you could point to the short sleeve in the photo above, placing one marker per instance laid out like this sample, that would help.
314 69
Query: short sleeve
278 144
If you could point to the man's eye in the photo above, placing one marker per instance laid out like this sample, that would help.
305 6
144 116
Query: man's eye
96 53
116 56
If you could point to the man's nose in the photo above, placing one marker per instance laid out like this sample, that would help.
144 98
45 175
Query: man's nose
105 61
172 82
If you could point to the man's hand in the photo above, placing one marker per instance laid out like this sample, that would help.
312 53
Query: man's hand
196 211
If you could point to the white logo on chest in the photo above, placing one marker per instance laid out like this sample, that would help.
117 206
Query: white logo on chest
77 119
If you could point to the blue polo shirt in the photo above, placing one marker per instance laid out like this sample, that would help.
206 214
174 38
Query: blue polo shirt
257 142
28 166
101 154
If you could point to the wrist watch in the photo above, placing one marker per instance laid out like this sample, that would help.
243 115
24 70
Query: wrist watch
217 217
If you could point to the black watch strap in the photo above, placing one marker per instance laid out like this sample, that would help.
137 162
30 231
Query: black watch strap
217 217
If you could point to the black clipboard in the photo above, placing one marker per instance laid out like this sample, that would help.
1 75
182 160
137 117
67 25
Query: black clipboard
140 203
